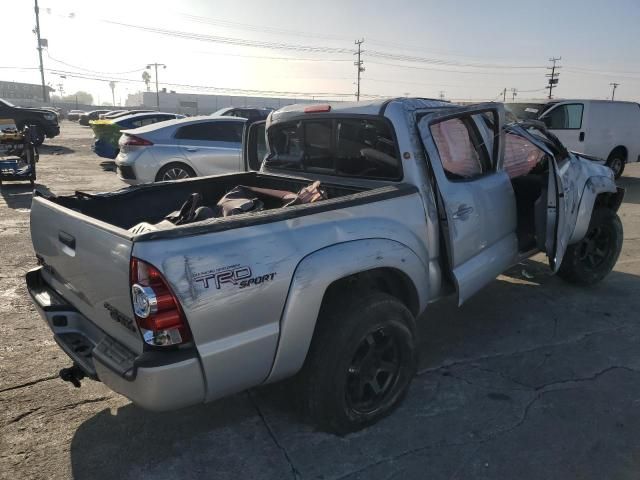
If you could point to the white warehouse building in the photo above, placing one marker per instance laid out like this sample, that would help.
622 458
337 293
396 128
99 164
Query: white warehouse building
203 104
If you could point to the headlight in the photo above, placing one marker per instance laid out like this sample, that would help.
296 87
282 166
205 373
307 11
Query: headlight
50 116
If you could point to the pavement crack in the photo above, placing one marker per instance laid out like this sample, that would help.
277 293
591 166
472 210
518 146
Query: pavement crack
28 384
540 392
23 415
71 406
285 454
455 363
549 386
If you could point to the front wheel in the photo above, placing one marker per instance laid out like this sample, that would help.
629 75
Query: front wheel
590 260
616 163
360 364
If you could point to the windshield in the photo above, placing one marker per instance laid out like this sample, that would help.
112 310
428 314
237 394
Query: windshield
8 104
527 111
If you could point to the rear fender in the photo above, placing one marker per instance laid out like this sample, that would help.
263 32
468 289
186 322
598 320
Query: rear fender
316 272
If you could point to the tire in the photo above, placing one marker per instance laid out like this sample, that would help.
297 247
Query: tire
590 260
38 135
616 162
359 347
175 171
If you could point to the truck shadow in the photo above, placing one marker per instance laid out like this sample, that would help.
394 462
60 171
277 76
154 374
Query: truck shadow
632 189
526 308
18 195
54 150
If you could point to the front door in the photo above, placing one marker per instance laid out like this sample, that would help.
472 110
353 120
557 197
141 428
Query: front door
567 121
476 202
563 195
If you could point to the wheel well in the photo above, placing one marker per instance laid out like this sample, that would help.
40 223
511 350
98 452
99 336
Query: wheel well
620 149
172 163
609 200
388 280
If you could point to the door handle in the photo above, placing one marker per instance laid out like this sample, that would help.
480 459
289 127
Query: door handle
581 137
68 243
463 212
192 149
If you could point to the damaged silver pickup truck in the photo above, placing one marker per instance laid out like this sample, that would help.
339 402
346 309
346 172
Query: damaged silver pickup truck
418 199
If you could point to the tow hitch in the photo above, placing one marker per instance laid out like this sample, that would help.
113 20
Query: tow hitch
72 374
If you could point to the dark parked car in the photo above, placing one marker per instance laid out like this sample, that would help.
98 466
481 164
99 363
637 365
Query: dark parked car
44 121
251 114
92 115
74 115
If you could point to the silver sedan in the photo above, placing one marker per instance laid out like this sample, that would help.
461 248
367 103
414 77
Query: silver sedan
177 149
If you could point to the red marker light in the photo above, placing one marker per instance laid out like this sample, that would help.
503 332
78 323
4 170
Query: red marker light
317 108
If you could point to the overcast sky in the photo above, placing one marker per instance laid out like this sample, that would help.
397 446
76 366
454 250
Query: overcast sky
468 49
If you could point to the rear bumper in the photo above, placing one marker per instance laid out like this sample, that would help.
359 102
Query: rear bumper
154 380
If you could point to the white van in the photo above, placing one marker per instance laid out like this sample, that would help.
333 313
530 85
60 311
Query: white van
600 128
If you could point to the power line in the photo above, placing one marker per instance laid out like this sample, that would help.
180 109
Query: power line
92 71
220 89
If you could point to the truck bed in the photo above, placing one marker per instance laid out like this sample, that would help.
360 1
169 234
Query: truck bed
152 202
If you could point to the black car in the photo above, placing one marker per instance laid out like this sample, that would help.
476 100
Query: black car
92 115
44 121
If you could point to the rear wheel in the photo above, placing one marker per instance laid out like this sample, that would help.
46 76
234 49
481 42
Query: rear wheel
360 363
175 171
590 260
37 135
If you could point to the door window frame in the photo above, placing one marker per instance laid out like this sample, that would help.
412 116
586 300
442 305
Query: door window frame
494 156
549 112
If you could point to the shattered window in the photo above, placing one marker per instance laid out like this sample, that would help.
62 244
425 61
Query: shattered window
520 155
458 154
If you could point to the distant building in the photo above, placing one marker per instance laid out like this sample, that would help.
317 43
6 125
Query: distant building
17 92
203 104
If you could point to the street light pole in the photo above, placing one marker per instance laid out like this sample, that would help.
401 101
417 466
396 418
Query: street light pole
156 65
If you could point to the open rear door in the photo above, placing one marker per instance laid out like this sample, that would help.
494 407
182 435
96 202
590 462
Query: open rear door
254 145
562 191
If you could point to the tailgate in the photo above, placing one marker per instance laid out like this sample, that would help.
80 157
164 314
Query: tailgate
87 263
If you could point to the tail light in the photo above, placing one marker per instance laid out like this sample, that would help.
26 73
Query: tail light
134 141
156 308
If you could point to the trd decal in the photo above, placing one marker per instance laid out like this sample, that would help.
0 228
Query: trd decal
236 275
120 317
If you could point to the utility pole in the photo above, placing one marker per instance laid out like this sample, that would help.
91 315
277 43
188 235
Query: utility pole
156 65
442 95
112 86
553 80
514 92
613 90
45 97
358 65
504 95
